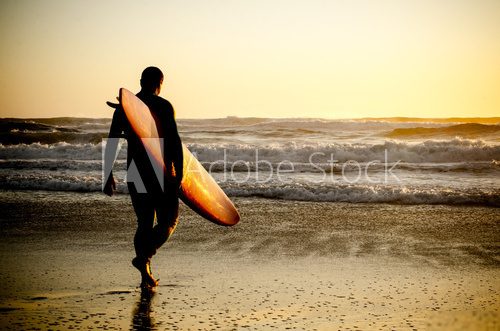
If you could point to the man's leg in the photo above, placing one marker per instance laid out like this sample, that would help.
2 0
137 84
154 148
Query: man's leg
167 215
144 211
143 239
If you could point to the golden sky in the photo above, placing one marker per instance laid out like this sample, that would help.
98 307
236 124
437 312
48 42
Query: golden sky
328 59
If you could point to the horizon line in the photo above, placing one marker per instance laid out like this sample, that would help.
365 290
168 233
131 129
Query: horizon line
393 118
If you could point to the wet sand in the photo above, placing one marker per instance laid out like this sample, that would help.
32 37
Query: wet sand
288 265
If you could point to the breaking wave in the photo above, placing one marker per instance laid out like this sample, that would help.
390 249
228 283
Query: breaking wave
456 150
355 193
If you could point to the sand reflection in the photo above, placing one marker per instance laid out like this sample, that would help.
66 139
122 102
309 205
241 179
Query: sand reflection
141 319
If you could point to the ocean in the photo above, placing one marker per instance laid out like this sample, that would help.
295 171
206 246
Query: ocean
370 161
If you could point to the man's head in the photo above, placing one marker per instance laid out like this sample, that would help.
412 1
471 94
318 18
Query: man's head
151 80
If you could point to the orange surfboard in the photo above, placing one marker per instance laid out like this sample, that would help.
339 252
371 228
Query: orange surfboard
198 189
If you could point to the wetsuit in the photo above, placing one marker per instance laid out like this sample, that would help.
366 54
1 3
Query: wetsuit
162 201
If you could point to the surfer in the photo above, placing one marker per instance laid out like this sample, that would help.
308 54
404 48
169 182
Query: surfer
151 197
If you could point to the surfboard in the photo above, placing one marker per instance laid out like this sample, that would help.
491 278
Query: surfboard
198 189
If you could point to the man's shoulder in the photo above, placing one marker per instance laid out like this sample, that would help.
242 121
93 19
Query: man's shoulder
157 103
165 103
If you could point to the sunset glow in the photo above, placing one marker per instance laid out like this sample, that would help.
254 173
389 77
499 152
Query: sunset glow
327 59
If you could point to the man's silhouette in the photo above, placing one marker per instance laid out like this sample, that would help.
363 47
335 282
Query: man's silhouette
159 199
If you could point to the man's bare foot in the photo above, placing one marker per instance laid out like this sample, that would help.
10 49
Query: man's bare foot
143 265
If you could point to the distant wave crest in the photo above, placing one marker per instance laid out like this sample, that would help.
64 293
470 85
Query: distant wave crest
468 130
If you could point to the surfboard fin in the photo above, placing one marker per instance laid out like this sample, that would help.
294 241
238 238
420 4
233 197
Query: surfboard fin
112 105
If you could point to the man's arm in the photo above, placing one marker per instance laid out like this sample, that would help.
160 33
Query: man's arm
115 133
178 156
174 147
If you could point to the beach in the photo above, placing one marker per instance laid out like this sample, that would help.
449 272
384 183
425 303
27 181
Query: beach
287 265
337 165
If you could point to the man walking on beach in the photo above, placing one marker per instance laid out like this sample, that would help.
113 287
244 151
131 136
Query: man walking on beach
160 199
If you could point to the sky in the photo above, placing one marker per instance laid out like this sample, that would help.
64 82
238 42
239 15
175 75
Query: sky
258 58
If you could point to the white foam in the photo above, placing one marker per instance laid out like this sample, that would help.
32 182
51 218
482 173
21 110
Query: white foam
369 194
332 192
456 150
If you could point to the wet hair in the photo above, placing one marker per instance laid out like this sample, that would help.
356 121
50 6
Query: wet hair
151 78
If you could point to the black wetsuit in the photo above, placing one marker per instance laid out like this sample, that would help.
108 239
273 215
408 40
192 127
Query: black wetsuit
162 201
